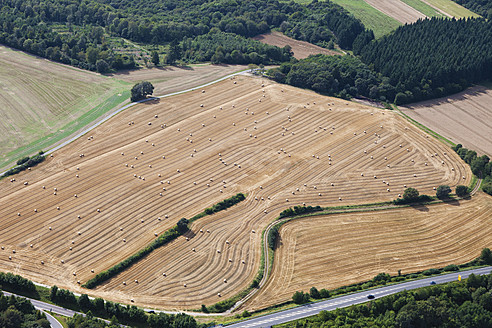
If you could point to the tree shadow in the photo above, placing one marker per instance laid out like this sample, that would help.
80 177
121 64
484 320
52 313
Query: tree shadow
152 101
189 234
451 201
420 207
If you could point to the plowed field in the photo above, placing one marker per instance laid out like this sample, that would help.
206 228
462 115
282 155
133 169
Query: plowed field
464 118
397 9
301 49
137 174
337 250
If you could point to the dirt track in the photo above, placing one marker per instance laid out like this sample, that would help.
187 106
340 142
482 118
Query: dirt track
293 143
397 9
171 79
338 250
301 49
464 118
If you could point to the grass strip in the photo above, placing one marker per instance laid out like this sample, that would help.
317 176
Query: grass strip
180 228
381 24
424 8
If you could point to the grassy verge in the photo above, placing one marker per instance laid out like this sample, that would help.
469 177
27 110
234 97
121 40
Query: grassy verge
61 319
452 8
378 281
423 8
67 130
163 239
372 18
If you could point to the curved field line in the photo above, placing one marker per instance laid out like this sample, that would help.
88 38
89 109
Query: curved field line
132 199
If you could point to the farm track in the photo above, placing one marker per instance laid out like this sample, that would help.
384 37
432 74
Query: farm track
130 207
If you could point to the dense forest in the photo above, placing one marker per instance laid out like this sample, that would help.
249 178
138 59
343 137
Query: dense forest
78 32
428 59
465 304
16 312
481 7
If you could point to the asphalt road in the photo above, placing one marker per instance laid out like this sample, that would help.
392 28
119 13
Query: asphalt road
348 300
53 322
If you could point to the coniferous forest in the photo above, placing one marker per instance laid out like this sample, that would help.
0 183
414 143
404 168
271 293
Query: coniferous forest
428 59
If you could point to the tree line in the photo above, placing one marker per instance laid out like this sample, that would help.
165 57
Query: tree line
75 32
481 166
481 7
427 59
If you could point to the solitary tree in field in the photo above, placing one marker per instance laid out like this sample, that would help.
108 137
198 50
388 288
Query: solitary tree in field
410 194
443 191
141 90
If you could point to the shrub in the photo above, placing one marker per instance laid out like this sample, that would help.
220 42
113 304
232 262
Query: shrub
443 191
272 237
22 160
314 293
461 191
300 297
451 267
410 194
431 272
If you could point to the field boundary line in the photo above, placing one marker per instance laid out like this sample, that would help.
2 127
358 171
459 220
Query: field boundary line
100 121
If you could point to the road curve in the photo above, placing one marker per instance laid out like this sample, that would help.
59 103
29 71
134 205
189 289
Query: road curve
348 300
53 322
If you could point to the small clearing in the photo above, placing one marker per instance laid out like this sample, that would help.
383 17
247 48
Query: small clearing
464 118
301 49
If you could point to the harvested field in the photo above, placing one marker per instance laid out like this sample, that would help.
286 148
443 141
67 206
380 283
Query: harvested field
397 9
171 79
464 118
42 102
338 250
141 171
301 49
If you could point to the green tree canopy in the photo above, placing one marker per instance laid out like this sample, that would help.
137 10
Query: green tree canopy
141 90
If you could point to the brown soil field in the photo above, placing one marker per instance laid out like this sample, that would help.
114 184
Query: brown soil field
337 250
301 49
464 118
397 9
129 181
171 79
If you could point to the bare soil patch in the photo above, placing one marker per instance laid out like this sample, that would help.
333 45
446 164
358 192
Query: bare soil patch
280 145
397 9
337 250
301 49
171 79
464 118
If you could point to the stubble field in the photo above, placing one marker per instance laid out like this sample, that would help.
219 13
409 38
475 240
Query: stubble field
129 180
337 250
464 118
